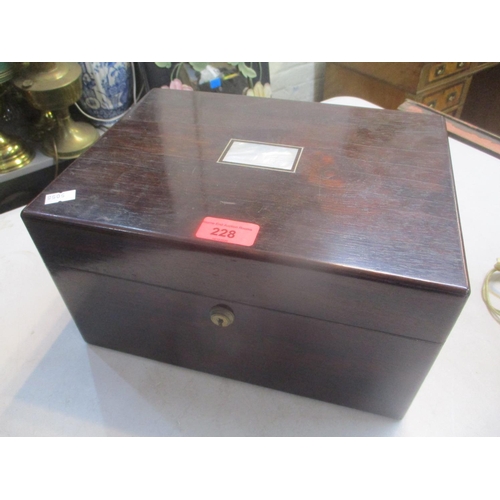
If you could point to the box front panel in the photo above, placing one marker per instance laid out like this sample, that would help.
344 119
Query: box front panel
359 368
375 305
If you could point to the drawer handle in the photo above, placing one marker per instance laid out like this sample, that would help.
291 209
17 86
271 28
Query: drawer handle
221 315
439 70
460 65
451 97
431 104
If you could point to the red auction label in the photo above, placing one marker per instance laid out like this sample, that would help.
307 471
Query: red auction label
228 231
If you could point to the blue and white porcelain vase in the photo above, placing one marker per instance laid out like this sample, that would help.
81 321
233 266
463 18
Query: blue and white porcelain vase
107 90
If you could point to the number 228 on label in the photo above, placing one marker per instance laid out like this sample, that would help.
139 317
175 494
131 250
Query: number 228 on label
228 231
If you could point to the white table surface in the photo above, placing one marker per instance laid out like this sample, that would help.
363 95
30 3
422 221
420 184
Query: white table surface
53 384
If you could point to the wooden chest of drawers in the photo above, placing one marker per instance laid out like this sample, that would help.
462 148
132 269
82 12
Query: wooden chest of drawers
186 236
442 86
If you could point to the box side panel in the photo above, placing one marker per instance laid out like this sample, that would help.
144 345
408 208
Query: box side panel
405 311
366 370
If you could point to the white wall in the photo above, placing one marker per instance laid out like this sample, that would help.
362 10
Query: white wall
298 81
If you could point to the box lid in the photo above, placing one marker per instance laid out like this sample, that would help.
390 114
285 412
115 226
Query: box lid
350 191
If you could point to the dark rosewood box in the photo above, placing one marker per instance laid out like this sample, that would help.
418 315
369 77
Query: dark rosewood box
305 247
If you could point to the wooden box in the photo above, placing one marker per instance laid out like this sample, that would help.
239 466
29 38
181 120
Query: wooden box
328 235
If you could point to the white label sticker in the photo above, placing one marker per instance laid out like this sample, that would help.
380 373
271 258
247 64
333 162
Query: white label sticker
57 197
261 155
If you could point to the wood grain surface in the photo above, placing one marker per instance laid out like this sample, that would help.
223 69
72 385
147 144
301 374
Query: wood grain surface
362 369
372 196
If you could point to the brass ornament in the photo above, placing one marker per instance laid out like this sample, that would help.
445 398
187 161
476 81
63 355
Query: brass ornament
13 154
53 87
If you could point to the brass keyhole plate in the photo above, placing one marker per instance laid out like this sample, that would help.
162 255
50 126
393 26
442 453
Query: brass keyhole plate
221 315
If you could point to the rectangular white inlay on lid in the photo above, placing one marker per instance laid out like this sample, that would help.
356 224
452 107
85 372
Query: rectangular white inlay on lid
261 155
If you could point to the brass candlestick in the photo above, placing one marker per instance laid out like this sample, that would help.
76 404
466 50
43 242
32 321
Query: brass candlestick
53 87
13 153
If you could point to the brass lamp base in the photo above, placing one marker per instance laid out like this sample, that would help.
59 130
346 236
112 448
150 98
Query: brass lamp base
13 154
43 126
52 88
69 138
